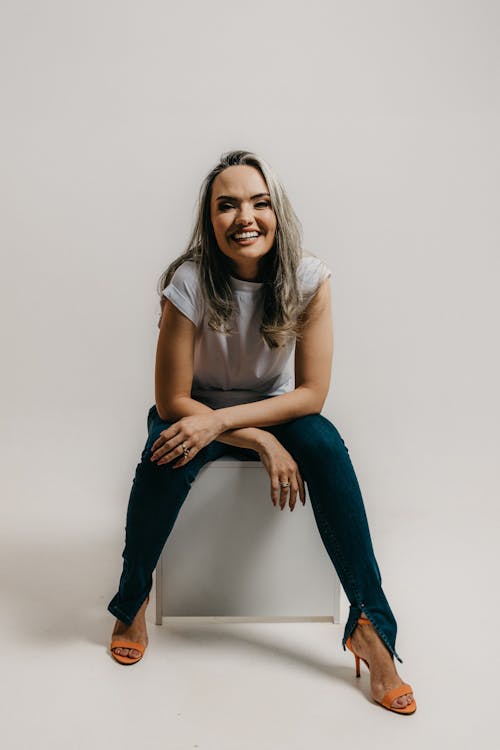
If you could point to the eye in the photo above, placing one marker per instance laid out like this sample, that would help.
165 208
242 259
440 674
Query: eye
225 206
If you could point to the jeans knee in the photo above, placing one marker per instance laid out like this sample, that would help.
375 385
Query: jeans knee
316 437
154 433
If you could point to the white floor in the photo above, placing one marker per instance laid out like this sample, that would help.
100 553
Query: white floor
237 686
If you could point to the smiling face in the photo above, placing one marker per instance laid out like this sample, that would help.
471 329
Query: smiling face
240 202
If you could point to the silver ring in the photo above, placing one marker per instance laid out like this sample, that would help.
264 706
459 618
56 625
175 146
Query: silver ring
284 484
186 450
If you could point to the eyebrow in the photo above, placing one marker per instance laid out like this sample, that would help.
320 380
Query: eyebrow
231 198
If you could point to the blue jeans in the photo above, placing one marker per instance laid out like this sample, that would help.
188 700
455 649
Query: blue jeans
158 493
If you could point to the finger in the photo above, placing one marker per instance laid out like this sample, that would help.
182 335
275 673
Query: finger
284 494
293 494
159 449
275 490
181 461
163 439
184 459
302 491
158 443
170 456
165 450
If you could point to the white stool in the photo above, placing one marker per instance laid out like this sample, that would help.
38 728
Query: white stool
233 556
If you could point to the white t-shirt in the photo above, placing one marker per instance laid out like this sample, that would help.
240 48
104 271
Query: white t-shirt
239 368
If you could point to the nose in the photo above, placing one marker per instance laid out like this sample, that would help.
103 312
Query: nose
245 215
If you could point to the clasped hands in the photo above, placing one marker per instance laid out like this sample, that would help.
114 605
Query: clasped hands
198 430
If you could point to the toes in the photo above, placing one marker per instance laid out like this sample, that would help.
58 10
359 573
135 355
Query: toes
133 653
403 700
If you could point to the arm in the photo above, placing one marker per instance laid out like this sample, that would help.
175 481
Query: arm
313 361
174 377
313 365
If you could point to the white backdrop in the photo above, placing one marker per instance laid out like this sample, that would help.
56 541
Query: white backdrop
382 121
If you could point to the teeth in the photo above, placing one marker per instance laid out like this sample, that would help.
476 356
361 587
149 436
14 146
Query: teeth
245 235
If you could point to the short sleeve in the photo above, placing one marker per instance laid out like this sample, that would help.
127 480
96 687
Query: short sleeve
185 293
312 273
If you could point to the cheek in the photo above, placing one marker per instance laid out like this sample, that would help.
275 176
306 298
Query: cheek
219 228
271 220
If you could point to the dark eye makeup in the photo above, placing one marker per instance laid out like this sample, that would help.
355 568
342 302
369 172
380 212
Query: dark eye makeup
222 206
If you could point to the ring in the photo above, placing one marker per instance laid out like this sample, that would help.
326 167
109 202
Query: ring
186 450
284 484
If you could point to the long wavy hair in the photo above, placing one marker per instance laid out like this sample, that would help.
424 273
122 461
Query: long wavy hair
284 315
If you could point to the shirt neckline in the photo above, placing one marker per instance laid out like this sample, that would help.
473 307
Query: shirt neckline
254 286
245 286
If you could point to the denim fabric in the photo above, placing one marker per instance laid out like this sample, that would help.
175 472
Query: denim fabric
158 493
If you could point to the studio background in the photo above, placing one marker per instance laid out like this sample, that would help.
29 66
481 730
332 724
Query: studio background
382 121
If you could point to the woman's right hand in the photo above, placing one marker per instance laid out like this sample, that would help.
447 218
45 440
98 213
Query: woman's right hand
281 467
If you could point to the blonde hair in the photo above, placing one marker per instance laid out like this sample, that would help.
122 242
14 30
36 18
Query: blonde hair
283 316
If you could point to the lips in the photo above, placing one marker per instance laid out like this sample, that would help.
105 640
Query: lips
233 236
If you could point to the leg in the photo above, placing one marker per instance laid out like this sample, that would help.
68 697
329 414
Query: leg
156 498
325 466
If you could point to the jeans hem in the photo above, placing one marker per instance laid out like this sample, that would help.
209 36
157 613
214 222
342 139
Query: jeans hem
117 612
354 613
120 613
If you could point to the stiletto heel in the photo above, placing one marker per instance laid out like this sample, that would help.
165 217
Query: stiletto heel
391 695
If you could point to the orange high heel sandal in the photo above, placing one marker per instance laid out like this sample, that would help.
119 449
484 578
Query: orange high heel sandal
118 643
121 643
391 695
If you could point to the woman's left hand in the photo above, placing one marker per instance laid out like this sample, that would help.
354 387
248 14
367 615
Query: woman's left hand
195 431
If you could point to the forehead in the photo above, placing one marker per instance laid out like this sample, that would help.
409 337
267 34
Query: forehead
238 181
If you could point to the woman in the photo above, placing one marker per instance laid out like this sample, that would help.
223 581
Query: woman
243 367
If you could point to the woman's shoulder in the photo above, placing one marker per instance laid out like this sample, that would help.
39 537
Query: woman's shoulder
312 272
184 291
187 272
